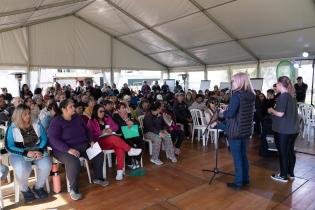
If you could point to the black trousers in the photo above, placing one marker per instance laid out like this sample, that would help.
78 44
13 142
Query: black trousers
135 142
73 165
285 145
184 122
178 137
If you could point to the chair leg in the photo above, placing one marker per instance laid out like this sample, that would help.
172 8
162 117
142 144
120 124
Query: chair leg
203 138
16 190
192 135
150 148
68 185
5 160
1 198
104 167
109 158
88 170
141 162
47 185
198 134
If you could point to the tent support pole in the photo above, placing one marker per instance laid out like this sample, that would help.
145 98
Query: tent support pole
205 73
312 91
28 70
111 61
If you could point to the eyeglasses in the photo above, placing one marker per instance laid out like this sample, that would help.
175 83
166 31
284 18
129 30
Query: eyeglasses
101 111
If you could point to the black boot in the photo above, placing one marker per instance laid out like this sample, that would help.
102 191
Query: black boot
28 196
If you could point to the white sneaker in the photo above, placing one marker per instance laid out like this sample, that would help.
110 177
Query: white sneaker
119 175
174 160
156 162
134 151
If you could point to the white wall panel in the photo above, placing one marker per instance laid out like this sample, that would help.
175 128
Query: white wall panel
69 42
13 47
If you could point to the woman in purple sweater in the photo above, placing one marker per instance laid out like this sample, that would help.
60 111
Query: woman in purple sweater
69 138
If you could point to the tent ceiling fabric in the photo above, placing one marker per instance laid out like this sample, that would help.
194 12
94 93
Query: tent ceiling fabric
212 3
201 32
108 18
153 12
14 47
229 52
147 42
270 29
174 59
56 11
290 44
265 17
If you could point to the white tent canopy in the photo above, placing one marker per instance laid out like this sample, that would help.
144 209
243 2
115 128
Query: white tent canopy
151 34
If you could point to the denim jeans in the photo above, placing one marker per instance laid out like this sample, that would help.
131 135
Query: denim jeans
23 168
241 165
220 126
3 171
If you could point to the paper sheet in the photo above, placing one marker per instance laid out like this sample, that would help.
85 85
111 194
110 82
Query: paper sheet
93 151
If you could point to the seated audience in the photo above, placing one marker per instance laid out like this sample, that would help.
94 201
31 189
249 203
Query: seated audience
47 114
177 134
7 96
212 115
34 108
25 92
26 142
69 138
122 118
189 100
199 103
88 110
182 113
98 127
155 129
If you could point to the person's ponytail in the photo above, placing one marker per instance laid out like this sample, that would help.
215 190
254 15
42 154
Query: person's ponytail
286 82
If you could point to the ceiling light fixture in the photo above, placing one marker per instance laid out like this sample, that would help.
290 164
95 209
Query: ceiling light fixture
305 54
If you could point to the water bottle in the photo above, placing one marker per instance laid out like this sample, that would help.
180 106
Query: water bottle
56 178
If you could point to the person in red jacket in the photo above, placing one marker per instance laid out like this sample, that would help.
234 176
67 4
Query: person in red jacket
104 136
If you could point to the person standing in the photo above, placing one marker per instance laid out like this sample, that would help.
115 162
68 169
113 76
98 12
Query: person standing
285 124
300 89
239 122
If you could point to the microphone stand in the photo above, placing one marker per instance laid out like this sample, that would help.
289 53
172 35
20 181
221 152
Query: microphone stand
215 170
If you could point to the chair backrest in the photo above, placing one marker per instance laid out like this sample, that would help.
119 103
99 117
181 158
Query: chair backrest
197 117
140 118
3 130
307 113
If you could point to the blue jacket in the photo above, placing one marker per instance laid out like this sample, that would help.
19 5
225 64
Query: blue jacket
14 141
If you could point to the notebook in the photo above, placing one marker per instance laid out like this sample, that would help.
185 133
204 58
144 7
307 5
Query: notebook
131 132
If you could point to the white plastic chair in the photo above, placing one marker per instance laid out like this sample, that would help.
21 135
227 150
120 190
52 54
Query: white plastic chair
5 157
308 119
83 161
198 124
86 164
214 135
140 118
17 186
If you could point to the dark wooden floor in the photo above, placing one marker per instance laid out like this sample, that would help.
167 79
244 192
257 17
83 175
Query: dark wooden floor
185 186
